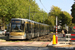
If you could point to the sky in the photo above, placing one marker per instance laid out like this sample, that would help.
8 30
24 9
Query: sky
64 5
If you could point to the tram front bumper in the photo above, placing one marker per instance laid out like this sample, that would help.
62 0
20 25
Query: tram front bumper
17 37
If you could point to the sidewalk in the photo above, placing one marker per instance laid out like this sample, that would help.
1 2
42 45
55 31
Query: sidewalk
36 44
62 42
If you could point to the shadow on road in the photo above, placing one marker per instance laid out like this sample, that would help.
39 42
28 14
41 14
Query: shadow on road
33 48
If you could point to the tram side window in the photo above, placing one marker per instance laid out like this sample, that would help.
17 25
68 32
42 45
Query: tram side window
41 28
32 28
38 27
26 27
22 27
46 29
29 27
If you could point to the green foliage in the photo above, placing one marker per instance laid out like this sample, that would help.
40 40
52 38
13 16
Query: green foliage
73 11
55 11
64 16
20 9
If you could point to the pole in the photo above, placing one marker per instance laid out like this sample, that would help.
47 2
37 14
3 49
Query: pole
56 29
56 24
43 18
29 10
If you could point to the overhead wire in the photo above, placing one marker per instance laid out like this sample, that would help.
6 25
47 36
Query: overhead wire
43 5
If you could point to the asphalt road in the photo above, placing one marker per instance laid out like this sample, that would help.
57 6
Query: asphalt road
34 48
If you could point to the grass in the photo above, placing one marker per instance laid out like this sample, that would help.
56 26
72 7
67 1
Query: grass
51 32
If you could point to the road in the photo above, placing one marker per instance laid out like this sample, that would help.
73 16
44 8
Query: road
34 48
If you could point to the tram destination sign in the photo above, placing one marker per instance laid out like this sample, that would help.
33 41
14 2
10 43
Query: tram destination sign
16 21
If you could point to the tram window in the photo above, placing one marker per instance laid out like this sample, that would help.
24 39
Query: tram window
22 27
32 27
26 27
35 27
17 27
38 27
41 28
29 27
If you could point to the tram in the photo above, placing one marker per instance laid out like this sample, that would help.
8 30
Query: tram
27 29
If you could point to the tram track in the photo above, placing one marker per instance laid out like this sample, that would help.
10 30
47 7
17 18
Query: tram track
43 38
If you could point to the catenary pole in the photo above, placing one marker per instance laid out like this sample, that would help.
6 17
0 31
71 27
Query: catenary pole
29 10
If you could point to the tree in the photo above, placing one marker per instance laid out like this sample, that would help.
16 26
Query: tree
73 13
20 9
66 18
62 15
55 11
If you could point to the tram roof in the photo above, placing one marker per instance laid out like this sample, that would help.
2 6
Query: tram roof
28 20
19 19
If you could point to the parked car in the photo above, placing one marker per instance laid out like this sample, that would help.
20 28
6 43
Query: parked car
2 32
7 33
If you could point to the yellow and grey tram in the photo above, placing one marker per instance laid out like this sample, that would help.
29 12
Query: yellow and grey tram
27 29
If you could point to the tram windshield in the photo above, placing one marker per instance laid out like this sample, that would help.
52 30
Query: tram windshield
17 27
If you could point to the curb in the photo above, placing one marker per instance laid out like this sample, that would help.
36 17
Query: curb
60 44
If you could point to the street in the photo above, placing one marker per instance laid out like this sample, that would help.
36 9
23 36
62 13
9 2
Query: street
34 48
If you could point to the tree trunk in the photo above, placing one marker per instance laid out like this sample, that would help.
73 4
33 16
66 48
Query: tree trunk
3 23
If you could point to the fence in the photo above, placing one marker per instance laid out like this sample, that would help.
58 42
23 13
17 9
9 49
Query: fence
70 37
